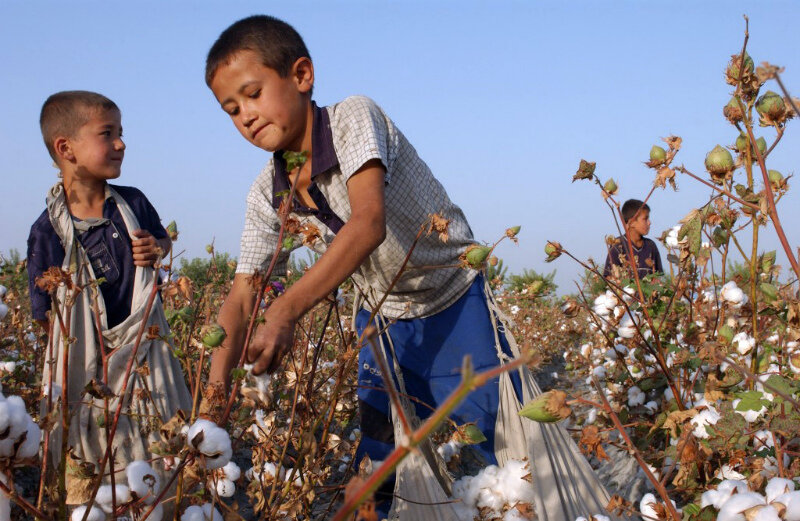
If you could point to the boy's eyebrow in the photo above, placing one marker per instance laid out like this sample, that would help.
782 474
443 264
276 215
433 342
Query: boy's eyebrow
238 91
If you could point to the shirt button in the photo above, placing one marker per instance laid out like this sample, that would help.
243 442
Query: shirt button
115 235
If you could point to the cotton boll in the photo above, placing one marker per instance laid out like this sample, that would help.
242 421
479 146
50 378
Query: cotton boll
215 443
727 472
599 372
224 487
647 506
3 291
635 396
211 513
777 487
731 293
743 343
591 417
3 310
734 507
232 471
103 498
143 480
651 407
95 514
708 416
792 502
193 513
489 498
30 447
627 328
768 513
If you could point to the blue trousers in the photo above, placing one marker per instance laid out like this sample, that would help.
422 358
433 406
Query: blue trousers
430 351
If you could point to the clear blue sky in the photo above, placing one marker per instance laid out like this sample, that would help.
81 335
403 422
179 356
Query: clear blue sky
502 99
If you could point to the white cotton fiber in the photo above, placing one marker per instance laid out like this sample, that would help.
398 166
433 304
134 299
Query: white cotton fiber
736 504
232 471
30 447
792 502
193 513
777 487
103 498
141 478
95 514
211 513
224 487
768 513
215 443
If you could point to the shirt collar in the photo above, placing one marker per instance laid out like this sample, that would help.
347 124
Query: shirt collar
323 154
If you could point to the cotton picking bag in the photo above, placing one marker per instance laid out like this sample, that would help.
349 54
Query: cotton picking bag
566 487
155 392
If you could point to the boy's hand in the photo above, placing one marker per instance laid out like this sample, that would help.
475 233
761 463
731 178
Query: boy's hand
271 339
146 249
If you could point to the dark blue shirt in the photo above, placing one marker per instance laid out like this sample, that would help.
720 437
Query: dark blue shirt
108 246
648 260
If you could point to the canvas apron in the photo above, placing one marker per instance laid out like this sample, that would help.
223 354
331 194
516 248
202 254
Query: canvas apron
154 393
566 487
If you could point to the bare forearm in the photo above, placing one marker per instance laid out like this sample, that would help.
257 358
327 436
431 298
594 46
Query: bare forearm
233 317
351 247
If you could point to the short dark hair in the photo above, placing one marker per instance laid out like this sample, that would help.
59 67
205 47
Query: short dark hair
64 113
631 207
277 43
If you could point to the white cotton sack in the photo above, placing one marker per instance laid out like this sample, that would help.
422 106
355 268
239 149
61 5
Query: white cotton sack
95 514
103 497
143 480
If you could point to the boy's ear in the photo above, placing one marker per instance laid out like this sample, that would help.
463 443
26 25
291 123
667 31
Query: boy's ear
63 148
303 74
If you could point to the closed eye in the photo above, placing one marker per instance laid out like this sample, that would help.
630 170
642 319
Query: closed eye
255 94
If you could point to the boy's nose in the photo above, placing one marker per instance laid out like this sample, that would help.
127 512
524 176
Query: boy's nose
119 145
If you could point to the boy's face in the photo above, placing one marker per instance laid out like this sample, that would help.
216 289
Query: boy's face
269 111
640 223
96 151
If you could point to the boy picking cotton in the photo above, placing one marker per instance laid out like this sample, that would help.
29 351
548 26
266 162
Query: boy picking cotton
366 191
636 218
109 237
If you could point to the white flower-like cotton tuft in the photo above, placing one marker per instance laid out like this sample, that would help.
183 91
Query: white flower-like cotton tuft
743 342
3 310
103 498
791 500
734 507
214 444
767 513
708 416
143 480
731 294
193 513
211 513
232 471
778 487
95 514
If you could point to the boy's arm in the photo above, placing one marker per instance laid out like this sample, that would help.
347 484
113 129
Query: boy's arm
234 317
363 232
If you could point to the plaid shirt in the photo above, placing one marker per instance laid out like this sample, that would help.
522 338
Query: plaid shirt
344 137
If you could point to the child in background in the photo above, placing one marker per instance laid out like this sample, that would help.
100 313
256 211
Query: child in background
636 219
112 236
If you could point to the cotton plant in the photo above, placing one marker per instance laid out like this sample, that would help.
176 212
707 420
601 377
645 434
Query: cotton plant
223 481
23 434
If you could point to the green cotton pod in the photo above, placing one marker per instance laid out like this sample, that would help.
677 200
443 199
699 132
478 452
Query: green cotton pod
719 236
172 230
548 407
725 334
476 255
771 104
733 68
610 186
733 111
658 155
213 335
719 161
768 261
513 231
472 434
775 179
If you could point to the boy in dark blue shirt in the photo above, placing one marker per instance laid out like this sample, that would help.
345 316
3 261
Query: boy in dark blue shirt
636 217
97 232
